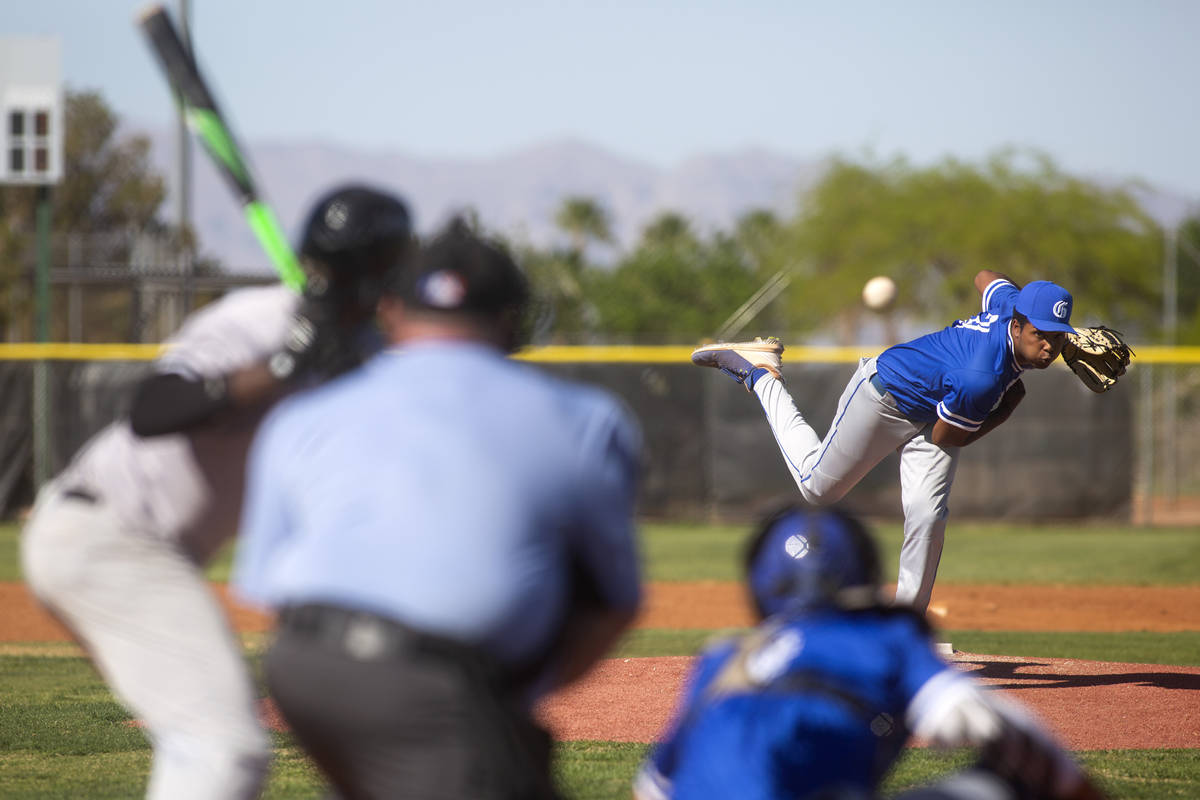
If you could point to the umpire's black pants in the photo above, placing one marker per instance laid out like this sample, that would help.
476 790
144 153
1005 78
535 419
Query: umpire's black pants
387 712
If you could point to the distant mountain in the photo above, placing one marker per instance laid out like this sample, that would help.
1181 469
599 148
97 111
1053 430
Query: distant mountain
517 192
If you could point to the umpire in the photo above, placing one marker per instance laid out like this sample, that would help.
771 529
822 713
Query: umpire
447 535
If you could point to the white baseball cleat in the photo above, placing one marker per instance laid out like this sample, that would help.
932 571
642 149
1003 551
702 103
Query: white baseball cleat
740 360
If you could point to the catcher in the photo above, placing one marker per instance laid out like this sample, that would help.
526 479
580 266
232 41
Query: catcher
818 700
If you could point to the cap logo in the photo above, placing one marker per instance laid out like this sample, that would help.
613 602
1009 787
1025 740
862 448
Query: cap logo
796 546
1060 309
442 289
336 214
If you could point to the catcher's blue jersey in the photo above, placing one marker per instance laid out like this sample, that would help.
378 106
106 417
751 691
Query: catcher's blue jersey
960 373
801 704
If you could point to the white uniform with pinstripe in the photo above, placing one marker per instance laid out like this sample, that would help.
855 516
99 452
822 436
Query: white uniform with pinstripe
114 549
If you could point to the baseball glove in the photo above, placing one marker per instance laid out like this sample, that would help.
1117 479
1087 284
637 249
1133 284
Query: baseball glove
1098 356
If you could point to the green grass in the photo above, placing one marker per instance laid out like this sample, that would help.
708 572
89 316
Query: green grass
123 774
10 569
34 776
1146 774
974 553
602 770
684 552
1074 554
59 706
1124 774
1135 647
597 770
1140 647
647 642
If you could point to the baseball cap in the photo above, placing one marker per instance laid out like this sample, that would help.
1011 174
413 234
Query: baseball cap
459 271
1047 305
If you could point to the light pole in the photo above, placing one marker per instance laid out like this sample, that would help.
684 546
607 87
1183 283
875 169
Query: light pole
183 169
1171 333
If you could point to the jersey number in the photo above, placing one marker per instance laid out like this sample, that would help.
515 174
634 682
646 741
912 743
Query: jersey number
979 322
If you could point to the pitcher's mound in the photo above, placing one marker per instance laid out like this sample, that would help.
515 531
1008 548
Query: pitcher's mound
1091 705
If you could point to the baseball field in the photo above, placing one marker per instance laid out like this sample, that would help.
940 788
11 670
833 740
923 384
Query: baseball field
1097 627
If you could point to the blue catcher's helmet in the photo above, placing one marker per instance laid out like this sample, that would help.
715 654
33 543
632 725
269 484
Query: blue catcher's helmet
811 558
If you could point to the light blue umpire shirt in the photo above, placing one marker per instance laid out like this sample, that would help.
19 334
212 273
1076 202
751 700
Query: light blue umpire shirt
447 487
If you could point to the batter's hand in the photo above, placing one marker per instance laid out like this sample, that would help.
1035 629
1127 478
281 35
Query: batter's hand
315 343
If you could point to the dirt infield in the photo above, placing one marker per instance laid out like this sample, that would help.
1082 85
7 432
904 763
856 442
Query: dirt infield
714 604
981 607
1092 705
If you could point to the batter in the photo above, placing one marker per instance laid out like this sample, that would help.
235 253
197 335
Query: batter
116 544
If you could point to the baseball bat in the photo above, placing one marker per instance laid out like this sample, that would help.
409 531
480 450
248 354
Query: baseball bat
211 127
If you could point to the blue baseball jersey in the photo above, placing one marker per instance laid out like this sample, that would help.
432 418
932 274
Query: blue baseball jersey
960 373
803 703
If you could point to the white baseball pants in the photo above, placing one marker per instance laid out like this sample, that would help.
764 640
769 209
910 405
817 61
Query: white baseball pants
158 636
865 429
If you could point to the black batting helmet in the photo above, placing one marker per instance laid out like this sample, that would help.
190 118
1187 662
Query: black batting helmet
353 238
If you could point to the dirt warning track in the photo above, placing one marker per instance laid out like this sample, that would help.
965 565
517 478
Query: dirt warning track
716 604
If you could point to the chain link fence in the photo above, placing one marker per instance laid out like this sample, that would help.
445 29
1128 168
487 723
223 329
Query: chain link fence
1125 456
1167 485
114 287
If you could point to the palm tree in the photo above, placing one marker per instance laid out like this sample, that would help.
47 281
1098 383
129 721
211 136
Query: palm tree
668 228
584 220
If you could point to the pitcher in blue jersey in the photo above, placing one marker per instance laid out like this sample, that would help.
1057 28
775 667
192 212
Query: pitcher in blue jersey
818 700
926 398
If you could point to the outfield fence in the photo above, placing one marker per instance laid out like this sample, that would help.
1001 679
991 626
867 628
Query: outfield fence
1067 453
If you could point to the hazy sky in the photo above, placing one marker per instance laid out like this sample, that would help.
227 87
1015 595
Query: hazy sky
1106 87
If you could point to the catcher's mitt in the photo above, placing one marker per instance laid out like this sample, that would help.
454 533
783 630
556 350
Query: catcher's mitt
1098 356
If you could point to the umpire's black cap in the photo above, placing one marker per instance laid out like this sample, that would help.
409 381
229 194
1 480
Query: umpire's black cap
460 271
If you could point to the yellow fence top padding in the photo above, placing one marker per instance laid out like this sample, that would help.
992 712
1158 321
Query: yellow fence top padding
562 354
62 351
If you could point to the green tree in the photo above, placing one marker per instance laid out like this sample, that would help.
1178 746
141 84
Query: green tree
108 186
674 286
761 235
560 293
109 183
931 229
561 278
1188 266
584 220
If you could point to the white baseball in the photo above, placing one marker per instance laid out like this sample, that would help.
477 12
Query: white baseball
879 292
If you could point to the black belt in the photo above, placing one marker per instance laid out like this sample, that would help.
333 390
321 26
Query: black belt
371 637
877 382
80 494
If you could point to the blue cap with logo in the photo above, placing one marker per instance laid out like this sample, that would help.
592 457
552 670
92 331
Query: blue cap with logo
809 558
1047 305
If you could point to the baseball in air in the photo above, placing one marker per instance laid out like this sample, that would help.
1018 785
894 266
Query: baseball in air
879 293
